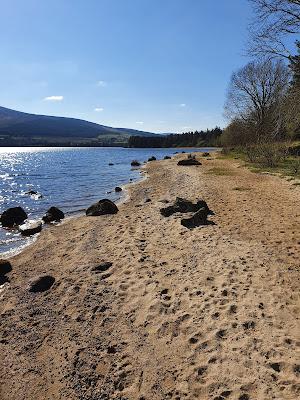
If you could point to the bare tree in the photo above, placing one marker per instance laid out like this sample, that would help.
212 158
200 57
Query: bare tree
274 20
255 95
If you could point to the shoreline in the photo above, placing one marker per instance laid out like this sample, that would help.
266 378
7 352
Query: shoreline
124 197
187 313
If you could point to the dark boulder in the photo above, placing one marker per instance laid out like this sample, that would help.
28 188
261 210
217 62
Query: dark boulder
118 189
5 267
110 164
205 154
41 283
167 158
54 214
30 228
184 206
13 216
152 158
135 163
197 219
103 207
189 161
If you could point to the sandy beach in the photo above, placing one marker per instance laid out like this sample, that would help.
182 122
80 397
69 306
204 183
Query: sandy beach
205 313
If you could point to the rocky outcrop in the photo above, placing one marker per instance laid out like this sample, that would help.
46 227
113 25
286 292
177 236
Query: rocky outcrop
197 219
184 206
30 228
41 283
54 214
13 216
118 189
103 207
199 212
189 161
167 158
152 158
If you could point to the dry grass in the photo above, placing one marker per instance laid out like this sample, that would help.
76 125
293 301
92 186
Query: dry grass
220 171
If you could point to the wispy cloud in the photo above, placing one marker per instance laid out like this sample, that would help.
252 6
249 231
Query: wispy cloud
98 109
182 105
140 122
101 84
54 98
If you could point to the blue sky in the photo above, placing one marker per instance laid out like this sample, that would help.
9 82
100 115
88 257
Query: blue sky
155 65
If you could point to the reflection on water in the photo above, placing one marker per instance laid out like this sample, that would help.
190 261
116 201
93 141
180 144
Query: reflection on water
68 178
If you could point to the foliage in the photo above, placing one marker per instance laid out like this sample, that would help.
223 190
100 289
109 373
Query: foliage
255 95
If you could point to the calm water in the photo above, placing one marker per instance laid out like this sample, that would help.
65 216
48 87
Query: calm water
68 178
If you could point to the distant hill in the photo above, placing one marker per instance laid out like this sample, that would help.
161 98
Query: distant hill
19 128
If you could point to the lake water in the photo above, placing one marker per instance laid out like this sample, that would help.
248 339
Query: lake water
68 178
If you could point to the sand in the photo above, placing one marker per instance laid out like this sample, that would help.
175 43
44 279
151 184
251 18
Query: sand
207 313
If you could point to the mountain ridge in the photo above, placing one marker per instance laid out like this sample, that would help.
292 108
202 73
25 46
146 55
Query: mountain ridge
21 127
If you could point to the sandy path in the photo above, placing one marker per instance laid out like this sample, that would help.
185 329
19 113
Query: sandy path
208 313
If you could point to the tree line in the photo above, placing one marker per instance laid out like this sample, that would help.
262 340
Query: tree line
263 97
210 137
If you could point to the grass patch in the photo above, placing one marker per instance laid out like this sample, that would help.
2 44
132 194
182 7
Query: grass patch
220 171
287 166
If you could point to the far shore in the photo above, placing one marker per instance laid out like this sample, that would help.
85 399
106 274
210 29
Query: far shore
141 307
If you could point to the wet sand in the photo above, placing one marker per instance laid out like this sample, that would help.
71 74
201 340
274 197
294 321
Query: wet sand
207 313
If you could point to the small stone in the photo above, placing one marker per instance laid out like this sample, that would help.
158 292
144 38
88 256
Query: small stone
118 189
275 366
102 267
41 283
30 228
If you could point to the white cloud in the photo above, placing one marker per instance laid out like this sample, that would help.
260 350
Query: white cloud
101 83
54 98
140 122
99 109
182 105
185 128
